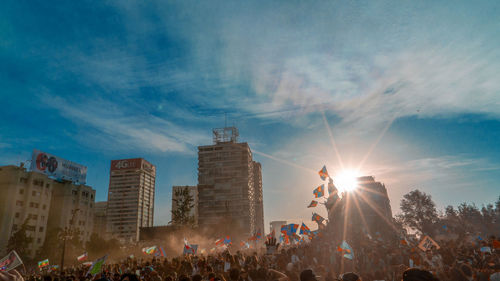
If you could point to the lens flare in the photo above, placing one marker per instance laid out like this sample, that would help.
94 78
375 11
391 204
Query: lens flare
346 180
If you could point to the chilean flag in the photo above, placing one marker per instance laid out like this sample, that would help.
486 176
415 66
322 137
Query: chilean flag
83 257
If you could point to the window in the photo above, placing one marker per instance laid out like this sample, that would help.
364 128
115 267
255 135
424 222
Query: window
14 227
43 207
25 180
17 215
42 218
21 191
47 185
19 203
40 229
30 227
39 240
74 192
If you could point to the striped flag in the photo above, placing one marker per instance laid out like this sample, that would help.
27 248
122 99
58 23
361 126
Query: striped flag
83 257
43 263
160 252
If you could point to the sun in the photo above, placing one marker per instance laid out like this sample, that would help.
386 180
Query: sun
346 180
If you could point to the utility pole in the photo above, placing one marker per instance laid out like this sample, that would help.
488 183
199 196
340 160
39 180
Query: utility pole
66 234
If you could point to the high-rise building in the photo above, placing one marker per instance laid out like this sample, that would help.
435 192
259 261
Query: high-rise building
193 192
68 198
226 183
130 197
100 218
26 198
259 204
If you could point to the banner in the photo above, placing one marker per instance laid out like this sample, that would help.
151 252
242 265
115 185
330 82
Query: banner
96 266
58 168
11 261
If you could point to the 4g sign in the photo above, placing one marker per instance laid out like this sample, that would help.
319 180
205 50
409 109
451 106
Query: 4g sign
126 164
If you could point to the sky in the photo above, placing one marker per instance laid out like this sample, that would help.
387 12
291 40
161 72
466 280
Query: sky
406 91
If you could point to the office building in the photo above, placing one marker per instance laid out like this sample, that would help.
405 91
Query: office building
259 204
192 191
130 198
226 183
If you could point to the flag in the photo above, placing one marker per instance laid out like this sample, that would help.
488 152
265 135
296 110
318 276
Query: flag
323 174
96 266
131 256
317 218
347 250
319 191
83 257
54 267
313 204
304 229
219 242
227 240
87 263
331 187
149 251
43 263
479 238
245 245
404 242
289 229
160 252
190 249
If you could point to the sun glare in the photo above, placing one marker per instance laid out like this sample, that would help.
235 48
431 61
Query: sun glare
346 180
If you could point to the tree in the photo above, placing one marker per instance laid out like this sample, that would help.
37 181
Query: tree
20 241
418 211
183 204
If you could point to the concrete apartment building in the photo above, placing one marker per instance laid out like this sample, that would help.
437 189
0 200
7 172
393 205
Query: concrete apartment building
68 197
226 183
100 218
130 198
46 204
25 196
193 192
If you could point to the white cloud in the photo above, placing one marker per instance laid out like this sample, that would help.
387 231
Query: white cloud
124 128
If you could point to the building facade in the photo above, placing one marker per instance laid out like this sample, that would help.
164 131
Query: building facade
193 192
26 197
68 198
130 197
259 203
100 218
226 183
44 204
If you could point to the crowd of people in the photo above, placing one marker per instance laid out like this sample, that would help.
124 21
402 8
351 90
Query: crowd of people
320 259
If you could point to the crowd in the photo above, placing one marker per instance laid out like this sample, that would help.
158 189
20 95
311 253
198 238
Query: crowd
318 260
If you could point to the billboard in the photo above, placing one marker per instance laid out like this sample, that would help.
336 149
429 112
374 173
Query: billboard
57 167
132 164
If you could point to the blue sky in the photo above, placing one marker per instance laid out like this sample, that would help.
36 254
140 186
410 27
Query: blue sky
409 89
